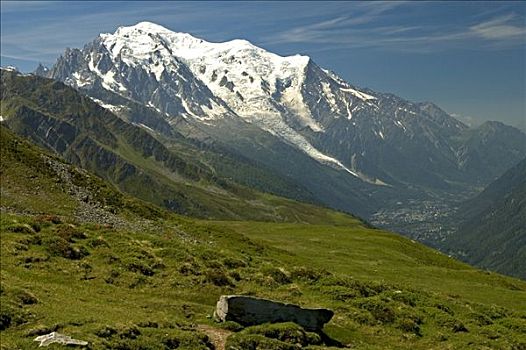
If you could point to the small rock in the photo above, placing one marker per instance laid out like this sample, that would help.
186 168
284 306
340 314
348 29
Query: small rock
55 337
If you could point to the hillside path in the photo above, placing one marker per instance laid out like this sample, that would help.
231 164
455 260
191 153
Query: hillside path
217 335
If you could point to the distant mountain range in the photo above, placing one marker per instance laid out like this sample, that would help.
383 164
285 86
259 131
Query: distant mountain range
328 142
492 232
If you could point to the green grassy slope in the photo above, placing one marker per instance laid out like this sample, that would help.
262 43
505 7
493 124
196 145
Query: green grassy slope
34 181
69 124
159 280
136 277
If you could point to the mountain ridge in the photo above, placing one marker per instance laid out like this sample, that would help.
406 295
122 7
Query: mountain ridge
70 124
375 149
492 230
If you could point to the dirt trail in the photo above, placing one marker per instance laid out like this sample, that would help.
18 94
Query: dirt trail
217 335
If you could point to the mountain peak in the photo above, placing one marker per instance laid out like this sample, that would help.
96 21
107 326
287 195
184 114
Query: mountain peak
146 26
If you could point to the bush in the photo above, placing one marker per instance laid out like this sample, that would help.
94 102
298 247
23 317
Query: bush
409 325
339 293
136 265
232 263
452 324
285 332
379 309
53 219
5 319
307 274
218 278
256 342
231 326
20 228
11 315
190 268
58 246
480 319
26 297
278 275
70 233
514 324
98 242
41 330
106 332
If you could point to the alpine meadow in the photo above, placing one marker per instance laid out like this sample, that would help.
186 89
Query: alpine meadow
216 175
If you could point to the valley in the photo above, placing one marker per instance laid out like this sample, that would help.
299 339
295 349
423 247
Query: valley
149 172
352 149
426 221
134 269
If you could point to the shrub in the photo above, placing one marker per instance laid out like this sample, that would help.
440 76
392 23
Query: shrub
49 219
286 332
405 297
231 326
339 293
41 330
307 274
58 246
408 325
233 263
256 342
106 332
514 324
26 297
480 319
218 278
98 242
70 233
136 265
20 228
11 315
379 309
190 268
278 275
452 324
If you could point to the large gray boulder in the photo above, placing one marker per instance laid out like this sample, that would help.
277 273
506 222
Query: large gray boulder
249 311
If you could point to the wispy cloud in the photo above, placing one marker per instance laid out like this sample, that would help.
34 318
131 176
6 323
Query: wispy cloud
367 30
500 28
389 25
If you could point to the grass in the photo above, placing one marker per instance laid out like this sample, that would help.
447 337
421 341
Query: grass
153 278
377 255
132 288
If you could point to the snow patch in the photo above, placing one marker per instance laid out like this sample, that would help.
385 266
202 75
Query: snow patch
406 110
361 95
108 81
110 107
141 125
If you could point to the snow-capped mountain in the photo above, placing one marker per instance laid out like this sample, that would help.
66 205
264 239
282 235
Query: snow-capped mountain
375 138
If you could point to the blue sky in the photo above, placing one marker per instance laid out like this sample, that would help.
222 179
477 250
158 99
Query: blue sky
468 57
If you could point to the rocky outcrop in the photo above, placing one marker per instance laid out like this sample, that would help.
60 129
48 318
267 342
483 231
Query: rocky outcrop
250 311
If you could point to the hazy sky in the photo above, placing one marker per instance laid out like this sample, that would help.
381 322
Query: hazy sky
468 57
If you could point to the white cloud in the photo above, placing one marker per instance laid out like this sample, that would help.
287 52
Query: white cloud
500 28
360 31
